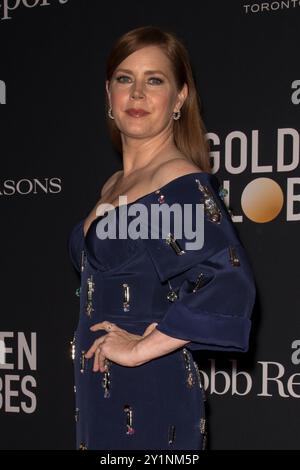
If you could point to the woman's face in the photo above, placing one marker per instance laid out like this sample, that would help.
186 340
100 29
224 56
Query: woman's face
144 81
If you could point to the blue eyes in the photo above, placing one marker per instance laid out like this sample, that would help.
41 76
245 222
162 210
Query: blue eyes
158 81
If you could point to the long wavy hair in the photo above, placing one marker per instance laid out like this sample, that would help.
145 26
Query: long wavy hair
189 131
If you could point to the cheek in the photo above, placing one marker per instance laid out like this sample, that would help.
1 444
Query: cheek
119 99
162 101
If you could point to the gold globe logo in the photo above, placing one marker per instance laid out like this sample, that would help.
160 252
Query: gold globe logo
262 200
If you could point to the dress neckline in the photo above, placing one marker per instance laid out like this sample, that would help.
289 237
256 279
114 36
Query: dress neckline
116 208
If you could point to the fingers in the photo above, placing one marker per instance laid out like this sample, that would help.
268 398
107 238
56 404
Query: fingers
93 348
99 358
99 361
107 326
104 325
96 360
96 349
102 362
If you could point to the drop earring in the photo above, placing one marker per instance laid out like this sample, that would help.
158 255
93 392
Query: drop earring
176 115
110 113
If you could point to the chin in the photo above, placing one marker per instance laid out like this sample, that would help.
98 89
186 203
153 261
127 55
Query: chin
137 134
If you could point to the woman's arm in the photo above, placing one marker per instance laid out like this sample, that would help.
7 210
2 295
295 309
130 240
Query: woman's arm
154 345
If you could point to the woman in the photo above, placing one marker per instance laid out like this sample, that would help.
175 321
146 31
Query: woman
147 302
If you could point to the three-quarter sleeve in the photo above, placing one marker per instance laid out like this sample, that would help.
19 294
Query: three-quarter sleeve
213 286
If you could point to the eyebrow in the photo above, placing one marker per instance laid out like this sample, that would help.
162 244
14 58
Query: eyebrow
148 72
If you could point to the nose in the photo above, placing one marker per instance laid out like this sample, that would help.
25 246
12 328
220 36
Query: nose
137 91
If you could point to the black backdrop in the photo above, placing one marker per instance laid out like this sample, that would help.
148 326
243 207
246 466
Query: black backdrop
56 154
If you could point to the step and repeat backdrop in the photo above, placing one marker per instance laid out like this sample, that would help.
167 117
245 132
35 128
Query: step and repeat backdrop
55 154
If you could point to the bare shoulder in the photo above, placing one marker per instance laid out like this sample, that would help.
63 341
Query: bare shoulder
172 169
110 181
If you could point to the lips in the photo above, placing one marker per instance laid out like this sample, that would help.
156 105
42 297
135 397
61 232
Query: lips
136 112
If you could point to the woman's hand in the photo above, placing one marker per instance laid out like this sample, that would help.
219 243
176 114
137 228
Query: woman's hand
117 345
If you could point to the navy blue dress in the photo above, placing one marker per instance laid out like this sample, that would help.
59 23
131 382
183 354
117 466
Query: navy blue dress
203 295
